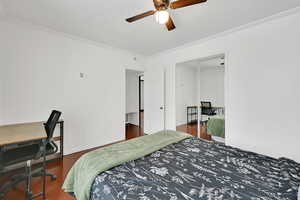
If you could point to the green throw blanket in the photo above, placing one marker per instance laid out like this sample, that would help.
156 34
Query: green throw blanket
216 127
82 175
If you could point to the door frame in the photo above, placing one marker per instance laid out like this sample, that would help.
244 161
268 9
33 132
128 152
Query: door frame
226 85
140 98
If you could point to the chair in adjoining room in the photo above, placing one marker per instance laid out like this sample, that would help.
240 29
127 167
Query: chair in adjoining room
27 152
206 111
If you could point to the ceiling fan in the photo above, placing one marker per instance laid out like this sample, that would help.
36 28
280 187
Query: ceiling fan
161 13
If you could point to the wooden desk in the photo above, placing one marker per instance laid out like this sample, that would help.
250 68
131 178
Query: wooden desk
15 134
20 133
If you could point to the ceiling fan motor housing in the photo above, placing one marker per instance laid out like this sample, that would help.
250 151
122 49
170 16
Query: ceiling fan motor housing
161 4
161 13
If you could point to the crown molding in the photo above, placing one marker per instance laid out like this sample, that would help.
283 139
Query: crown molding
231 31
28 24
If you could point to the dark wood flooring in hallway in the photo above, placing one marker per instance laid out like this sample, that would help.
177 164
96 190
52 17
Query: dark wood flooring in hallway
193 129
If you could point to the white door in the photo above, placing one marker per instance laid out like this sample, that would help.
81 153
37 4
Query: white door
154 96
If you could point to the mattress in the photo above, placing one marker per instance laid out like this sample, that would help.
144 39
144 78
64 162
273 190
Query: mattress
199 169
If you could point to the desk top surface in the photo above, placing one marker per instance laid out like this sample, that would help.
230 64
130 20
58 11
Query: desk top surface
18 133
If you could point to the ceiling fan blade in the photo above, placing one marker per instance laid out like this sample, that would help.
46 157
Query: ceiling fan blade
140 16
185 3
170 24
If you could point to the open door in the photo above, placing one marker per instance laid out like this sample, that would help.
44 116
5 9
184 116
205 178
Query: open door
154 100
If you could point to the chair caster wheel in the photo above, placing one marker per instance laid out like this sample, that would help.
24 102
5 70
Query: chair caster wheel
53 178
30 195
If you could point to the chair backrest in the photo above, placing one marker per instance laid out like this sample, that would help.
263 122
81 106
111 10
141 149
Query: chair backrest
205 104
206 108
51 123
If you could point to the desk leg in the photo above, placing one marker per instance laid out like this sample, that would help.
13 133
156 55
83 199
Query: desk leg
62 140
1 168
28 194
1 158
44 171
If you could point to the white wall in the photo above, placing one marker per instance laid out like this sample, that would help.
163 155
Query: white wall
2 14
1 83
186 91
2 51
132 96
212 85
41 72
261 83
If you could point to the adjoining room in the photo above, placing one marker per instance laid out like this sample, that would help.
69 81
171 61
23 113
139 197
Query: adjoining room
134 104
200 91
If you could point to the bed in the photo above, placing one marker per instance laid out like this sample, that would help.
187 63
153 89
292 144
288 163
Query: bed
189 168
216 128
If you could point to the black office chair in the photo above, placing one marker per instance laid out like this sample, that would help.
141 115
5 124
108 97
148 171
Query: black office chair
206 108
51 147
28 152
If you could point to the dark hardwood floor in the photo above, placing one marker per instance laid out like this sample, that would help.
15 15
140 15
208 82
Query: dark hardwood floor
193 129
61 167
133 131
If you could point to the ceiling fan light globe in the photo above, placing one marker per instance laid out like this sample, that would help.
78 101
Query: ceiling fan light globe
162 16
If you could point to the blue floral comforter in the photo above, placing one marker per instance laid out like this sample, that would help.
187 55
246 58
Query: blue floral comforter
197 169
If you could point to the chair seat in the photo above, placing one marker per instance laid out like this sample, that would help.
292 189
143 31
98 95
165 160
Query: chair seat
20 154
24 153
50 149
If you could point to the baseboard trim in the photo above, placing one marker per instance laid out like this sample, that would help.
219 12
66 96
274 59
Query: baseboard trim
94 148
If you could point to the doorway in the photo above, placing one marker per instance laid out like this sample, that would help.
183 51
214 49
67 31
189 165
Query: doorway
200 94
134 122
141 101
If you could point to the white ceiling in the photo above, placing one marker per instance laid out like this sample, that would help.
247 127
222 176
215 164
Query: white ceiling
104 21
